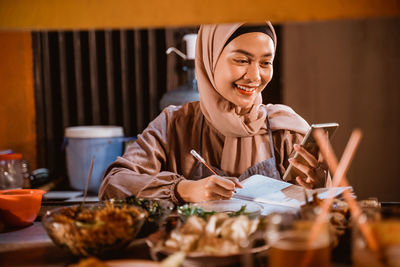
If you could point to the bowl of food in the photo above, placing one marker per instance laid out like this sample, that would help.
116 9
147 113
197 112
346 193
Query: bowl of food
157 210
20 207
94 230
219 238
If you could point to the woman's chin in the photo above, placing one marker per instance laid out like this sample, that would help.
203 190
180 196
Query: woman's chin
246 103
243 108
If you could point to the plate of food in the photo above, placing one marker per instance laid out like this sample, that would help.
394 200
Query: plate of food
218 238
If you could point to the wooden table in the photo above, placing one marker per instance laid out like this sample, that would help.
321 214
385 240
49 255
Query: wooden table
31 246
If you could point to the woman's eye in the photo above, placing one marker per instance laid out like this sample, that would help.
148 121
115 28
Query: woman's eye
266 64
241 61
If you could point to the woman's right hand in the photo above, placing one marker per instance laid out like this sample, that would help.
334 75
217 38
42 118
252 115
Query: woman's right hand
213 187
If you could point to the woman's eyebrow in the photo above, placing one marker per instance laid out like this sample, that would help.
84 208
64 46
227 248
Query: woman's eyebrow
250 54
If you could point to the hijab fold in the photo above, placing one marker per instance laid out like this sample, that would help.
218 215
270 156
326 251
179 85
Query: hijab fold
245 143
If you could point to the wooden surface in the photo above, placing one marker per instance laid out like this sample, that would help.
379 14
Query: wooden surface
347 72
17 107
32 246
88 14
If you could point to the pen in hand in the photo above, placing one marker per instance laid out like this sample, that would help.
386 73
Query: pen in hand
200 158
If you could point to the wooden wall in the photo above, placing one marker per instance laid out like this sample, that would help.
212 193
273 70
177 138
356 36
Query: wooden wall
17 112
349 72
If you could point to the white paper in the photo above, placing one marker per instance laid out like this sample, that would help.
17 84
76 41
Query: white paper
275 195
258 185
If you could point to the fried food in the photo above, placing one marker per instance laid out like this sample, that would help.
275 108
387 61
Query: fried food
219 235
96 229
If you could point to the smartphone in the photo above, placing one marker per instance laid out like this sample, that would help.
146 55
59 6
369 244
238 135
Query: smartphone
311 146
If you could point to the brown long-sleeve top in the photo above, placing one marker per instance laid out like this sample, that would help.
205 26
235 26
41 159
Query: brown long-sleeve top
160 158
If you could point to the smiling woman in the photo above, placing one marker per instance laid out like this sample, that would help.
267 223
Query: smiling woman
230 127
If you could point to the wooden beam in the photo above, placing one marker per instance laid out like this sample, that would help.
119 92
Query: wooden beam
92 14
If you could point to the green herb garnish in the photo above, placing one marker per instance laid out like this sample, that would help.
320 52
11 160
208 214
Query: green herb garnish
242 211
188 210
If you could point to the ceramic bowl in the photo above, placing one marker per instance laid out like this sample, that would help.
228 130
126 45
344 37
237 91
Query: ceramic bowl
20 207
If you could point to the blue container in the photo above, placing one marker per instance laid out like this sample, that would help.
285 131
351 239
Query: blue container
105 143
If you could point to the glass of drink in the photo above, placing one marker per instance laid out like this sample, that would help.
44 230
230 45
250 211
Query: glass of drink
293 242
385 228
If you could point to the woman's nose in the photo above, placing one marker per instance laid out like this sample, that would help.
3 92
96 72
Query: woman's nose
253 73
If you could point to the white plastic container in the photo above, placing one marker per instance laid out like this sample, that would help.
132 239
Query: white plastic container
190 40
105 143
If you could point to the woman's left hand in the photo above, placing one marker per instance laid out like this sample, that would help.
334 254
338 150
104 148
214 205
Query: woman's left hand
313 169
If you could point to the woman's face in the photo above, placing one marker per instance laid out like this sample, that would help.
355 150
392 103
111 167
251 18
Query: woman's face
244 68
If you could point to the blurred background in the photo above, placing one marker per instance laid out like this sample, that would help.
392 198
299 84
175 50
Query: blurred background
69 63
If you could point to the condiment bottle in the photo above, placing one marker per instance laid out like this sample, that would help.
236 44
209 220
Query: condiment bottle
11 175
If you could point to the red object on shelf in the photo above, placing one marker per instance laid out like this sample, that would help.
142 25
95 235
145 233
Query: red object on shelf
11 156
20 207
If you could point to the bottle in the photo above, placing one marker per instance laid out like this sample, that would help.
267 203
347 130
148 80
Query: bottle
25 174
11 174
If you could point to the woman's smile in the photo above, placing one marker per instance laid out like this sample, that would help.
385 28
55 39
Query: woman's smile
246 90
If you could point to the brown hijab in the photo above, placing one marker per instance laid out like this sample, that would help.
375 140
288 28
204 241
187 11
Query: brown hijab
244 133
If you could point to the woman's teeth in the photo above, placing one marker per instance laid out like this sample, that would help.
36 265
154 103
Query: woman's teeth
247 89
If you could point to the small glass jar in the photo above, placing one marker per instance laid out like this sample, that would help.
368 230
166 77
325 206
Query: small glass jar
298 241
11 174
382 227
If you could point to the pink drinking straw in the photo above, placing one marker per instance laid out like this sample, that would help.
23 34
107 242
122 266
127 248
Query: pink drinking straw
339 179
